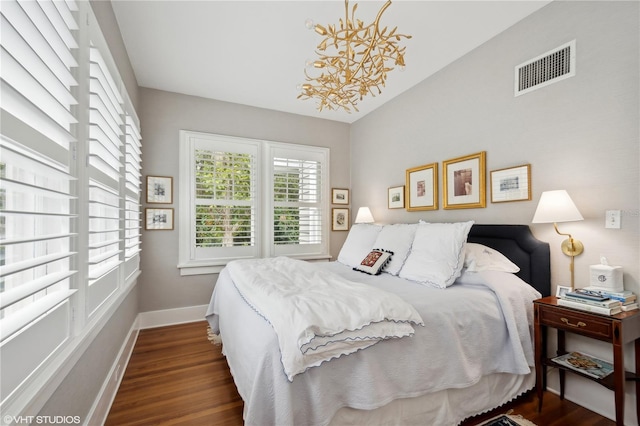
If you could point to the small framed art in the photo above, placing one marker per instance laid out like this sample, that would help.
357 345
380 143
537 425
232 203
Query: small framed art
159 190
561 291
158 219
340 219
396 197
511 184
421 189
340 196
464 182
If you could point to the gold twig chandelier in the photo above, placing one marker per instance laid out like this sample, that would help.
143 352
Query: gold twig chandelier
353 60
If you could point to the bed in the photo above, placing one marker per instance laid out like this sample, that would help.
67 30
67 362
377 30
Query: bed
471 353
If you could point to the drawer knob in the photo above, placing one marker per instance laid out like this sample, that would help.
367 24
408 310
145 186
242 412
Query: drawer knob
579 324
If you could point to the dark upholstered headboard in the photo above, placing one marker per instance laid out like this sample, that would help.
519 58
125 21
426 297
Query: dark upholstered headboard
518 244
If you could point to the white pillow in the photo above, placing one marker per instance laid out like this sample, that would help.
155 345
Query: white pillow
479 257
374 262
437 253
358 244
396 238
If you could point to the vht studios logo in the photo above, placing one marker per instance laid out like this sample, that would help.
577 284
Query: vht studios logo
41 420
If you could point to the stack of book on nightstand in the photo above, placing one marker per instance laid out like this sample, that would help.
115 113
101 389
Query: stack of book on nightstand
628 299
591 301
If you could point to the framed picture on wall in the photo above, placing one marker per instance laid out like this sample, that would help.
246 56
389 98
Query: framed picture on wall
340 219
511 184
158 219
421 188
464 182
396 197
159 190
339 196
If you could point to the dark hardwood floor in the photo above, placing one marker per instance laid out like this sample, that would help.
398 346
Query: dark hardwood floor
177 377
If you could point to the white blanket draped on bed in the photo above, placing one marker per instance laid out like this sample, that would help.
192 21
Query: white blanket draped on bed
474 328
316 314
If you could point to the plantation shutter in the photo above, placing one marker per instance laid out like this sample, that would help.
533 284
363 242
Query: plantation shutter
133 185
105 163
225 198
247 198
36 197
297 188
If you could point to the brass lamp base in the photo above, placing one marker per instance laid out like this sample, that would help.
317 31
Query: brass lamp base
572 247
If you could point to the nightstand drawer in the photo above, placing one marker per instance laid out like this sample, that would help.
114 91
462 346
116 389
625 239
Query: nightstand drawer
583 323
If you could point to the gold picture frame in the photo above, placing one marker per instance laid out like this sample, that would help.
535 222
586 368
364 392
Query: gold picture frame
511 184
340 219
421 188
464 182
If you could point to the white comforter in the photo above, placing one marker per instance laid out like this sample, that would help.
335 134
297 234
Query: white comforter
476 327
316 314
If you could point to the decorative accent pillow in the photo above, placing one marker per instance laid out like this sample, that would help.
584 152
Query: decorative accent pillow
374 262
359 242
479 257
437 253
396 238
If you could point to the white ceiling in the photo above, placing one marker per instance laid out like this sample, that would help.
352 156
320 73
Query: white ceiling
254 52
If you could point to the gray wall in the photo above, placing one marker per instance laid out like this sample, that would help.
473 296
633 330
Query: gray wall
163 115
580 134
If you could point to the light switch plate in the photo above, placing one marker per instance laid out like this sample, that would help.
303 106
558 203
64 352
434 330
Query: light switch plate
612 219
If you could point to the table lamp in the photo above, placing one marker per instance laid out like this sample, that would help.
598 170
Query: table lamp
557 206
364 215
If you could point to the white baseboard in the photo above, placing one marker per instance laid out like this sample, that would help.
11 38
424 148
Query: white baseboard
101 406
171 316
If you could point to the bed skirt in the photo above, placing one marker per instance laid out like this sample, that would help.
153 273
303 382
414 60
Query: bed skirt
444 408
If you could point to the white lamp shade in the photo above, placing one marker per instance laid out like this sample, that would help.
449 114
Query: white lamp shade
364 215
556 206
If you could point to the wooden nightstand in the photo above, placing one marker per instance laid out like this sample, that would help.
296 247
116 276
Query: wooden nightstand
617 329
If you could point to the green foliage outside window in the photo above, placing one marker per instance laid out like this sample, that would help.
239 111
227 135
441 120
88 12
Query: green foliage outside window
224 215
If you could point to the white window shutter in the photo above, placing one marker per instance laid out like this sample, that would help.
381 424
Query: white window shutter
133 190
105 170
225 191
298 188
36 186
228 213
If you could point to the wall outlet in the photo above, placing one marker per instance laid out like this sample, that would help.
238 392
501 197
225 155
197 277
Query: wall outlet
612 219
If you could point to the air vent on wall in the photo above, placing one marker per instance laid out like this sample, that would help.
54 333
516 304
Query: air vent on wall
548 68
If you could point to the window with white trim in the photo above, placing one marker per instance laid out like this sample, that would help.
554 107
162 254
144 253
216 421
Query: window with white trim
69 179
246 198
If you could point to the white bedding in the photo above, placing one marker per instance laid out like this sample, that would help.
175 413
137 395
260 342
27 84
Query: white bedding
477 327
318 315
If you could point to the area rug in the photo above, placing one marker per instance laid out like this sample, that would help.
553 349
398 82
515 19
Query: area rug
508 420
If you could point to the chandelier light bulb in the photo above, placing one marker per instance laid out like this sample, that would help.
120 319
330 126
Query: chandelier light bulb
320 30
309 23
